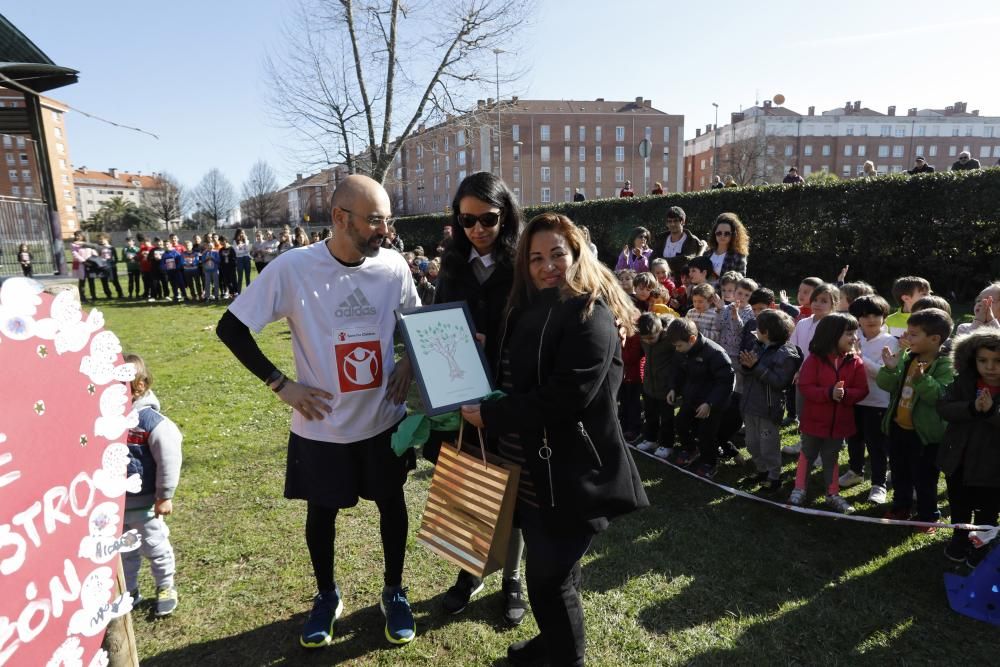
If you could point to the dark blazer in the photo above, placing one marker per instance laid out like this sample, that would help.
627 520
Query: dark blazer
693 246
704 375
733 261
457 282
566 374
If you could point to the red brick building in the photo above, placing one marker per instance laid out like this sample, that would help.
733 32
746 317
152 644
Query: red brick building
762 142
546 150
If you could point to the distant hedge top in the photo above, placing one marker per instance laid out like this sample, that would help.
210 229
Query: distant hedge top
943 226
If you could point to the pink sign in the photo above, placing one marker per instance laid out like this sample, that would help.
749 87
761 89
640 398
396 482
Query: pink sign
64 416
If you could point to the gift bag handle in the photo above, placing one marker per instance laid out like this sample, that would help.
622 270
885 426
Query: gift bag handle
482 442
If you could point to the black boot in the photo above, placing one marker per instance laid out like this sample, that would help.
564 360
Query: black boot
528 653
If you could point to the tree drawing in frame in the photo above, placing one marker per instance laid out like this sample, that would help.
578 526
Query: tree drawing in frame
444 338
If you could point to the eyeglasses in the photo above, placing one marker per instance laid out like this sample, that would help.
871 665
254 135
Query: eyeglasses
488 219
723 233
373 220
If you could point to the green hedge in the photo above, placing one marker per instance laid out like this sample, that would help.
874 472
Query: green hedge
943 226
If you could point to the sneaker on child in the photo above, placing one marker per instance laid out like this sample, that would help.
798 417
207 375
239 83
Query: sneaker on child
456 598
647 446
318 630
838 504
878 494
849 479
663 452
797 497
166 600
399 625
792 450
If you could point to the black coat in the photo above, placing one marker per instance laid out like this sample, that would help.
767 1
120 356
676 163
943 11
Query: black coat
487 302
566 374
972 438
704 375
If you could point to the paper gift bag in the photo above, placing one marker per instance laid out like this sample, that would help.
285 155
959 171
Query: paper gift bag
470 506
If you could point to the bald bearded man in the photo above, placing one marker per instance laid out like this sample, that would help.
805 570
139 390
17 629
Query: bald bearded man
348 396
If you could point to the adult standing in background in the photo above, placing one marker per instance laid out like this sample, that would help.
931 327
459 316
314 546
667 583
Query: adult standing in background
578 196
677 245
965 162
728 245
792 177
349 394
627 191
868 170
920 167
565 358
242 246
478 268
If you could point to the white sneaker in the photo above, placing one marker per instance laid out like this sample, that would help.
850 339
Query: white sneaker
878 494
792 450
797 497
647 446
663 452
850 478
838 504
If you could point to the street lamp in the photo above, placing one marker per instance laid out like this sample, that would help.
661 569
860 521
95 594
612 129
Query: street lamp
715 141
496 55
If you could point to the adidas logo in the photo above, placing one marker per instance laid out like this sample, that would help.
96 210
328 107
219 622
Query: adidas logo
356 305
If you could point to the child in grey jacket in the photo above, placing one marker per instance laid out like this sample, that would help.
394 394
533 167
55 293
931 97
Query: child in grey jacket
767 371
155 455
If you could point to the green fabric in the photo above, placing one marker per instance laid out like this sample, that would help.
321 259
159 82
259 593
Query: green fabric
416 428
926 392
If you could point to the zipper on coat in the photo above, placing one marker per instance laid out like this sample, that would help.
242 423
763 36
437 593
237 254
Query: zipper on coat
545 452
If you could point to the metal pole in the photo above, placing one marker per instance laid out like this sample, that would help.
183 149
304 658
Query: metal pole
496 54
715 141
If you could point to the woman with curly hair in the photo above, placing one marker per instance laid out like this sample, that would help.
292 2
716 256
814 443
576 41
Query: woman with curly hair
728 245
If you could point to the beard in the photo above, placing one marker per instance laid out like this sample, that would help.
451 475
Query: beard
368 247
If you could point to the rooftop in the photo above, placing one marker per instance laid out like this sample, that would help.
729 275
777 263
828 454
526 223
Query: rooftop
113 178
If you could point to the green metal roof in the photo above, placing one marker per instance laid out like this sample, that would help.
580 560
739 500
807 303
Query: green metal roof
22 60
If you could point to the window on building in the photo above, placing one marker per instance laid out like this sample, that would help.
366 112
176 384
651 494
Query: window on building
921 130
885 130
597 175
848 150
517 153
883 151
649 133
461 158
703 164
7 141
567 194
544 132
461 175
515 175
806 170
666 153
515 132
25 175
788 150
864 130
15 190
10 159
619 153
826 150
620 133
954 131
447 163
546 174
460 138
920 149
952 150
666 177
583 132
846 171
67 194
862 150
597 193
897 168
567 174
988 131
828 130
567 151
446 143
770 149
597 153
546 195
581 153
968 130
517 194
900 131
897 151
59 148
20 142
544 154
597 133
996 151
58 132
984 151
583 174
619 174
850 130
807 150
666 134
932 150
567 132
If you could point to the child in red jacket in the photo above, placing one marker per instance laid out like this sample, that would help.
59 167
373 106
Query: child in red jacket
832 380
629 395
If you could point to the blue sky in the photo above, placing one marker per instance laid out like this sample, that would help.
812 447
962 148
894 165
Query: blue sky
192 72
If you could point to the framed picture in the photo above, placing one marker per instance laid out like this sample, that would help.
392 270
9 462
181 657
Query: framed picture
448 361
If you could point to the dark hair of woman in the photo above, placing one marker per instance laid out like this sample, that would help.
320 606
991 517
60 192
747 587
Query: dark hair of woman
488 188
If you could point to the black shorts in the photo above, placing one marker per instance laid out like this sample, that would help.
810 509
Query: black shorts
335 475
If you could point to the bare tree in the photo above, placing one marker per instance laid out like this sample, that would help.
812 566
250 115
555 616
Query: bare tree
343 89
749 160
260 204
214 196
166 199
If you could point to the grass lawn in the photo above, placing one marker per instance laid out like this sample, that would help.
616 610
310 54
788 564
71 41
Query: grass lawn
700 577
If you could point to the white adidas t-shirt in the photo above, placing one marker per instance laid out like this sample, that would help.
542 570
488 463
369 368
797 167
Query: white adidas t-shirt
342 324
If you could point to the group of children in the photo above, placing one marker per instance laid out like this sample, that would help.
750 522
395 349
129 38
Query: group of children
894 384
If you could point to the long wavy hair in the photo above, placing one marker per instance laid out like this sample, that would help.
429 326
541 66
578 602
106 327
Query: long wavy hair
486 187
586 276
740 242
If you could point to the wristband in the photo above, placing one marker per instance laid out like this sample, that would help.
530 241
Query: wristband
281 385
273 377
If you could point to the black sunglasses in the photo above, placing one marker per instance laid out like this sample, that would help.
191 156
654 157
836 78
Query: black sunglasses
722 232
489 219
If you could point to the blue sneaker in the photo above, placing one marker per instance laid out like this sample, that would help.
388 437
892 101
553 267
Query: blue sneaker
399 625
318 630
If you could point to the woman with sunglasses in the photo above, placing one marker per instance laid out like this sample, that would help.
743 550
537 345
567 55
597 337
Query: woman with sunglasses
478 267
728 245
